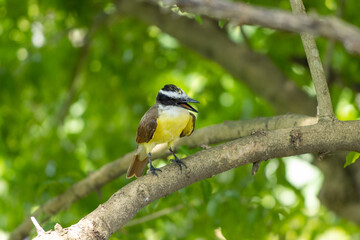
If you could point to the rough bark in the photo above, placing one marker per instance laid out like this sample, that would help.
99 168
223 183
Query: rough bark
125 203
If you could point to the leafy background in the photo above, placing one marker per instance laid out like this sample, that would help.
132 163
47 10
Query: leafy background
114 70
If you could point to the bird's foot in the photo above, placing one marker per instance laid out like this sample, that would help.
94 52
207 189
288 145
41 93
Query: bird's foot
178 162
153 170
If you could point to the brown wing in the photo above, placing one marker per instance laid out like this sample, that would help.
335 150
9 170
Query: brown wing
147 125
189 127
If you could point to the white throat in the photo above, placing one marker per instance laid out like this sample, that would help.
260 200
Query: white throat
171 110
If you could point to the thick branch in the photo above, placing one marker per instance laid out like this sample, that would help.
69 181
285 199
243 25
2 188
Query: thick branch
242 13
209 135
325 109
125 203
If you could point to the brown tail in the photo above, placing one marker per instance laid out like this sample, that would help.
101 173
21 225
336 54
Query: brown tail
137 165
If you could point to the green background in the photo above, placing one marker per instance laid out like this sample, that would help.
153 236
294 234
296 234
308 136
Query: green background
114 74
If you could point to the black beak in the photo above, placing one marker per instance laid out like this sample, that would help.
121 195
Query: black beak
190 100
184 104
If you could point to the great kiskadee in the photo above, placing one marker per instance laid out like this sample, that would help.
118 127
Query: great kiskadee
166 121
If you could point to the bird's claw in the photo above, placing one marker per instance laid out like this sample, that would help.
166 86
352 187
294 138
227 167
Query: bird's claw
178 162
153 170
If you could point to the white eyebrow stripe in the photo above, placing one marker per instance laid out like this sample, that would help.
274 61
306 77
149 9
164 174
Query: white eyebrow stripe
173 94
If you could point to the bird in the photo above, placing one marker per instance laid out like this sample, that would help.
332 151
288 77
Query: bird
169 119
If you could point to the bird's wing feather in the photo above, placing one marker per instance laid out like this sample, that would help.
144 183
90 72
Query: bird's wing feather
147 125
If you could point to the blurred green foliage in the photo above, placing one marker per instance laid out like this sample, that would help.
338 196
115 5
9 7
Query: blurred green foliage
43 152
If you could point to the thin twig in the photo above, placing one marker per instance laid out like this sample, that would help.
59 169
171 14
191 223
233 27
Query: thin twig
38 228
325 110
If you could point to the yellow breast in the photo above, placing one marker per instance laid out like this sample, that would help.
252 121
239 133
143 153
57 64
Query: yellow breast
170 123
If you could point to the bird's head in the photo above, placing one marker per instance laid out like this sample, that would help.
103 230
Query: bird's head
174 96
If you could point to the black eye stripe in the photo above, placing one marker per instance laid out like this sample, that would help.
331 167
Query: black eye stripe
166 100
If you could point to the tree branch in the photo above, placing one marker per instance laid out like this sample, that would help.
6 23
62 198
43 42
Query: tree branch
218 133
125 203
242 13
325 110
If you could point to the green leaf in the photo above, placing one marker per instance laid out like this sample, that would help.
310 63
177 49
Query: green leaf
222 23
198 19
351 158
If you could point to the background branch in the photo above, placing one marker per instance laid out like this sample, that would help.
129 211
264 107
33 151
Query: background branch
242 13
126 202
325 109
209 135
77 78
